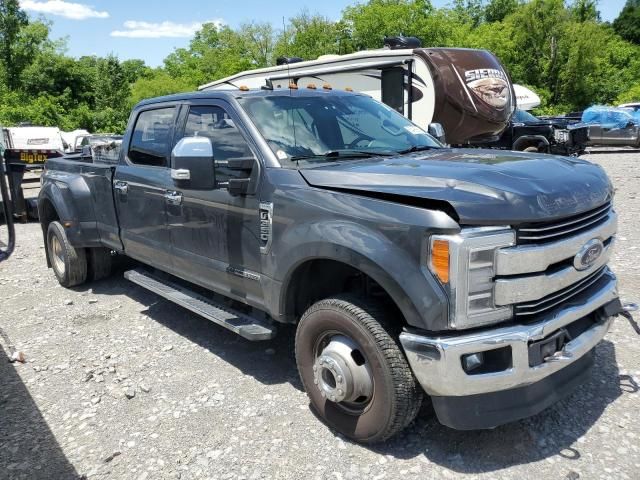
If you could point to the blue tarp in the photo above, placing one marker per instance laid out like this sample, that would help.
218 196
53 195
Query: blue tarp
610 117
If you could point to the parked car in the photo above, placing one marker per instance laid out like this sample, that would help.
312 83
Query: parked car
529 133
635 106
478 277
612 126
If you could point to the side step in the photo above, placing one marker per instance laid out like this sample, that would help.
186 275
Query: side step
238 322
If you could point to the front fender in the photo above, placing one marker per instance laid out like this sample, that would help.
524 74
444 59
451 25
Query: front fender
412 288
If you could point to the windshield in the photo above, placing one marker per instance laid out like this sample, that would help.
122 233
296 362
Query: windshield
323 128
524 117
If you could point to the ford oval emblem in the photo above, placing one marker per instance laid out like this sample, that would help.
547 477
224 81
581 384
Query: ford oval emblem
588 254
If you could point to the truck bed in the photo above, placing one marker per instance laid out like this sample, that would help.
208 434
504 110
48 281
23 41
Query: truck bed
92 182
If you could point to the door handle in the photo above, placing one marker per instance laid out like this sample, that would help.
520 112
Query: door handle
173 198
121 187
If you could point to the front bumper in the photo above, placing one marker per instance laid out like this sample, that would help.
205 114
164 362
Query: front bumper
437 361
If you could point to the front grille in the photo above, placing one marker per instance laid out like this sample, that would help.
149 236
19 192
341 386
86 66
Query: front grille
559 229
556 298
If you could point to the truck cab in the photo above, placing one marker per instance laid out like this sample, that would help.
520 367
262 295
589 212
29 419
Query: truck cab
476 277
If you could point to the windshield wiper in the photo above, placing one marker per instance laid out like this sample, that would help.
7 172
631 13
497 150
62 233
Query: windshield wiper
336 154
417 148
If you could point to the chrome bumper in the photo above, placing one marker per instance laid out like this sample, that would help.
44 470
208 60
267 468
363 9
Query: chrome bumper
437 364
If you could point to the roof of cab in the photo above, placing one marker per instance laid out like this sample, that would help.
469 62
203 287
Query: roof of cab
236 94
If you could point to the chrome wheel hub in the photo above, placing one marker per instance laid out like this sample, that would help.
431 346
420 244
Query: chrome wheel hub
341 372
57 255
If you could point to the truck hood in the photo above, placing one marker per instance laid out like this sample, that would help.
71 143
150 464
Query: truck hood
484 187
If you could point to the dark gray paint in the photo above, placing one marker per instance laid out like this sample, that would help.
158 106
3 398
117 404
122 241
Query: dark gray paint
326 212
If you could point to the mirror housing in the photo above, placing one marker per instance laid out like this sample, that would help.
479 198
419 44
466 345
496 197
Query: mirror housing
192 164
436 130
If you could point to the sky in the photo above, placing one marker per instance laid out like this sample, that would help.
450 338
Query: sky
150 30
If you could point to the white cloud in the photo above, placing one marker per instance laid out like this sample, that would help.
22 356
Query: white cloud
74 11
136 29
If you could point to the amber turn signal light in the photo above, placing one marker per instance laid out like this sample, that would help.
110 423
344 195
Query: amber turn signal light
440 260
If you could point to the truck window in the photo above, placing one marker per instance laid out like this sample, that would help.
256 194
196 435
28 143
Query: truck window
227 140
151 137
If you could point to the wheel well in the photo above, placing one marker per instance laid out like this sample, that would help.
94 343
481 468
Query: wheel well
322 278
47 214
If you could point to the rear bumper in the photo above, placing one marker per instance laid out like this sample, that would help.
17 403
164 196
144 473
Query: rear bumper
437 361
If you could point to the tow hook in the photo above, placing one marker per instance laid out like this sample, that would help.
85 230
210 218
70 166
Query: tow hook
627 309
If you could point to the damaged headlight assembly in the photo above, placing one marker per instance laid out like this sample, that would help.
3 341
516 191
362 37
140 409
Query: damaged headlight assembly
464 264
561 136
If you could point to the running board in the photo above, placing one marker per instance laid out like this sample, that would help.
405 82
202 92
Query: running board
248 327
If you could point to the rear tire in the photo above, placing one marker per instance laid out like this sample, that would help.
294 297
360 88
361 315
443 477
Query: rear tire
100 263
356 376
69 263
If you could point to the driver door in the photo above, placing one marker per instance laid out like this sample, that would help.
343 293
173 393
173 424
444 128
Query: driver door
215 235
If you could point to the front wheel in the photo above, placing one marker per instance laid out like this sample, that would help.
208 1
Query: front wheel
353 371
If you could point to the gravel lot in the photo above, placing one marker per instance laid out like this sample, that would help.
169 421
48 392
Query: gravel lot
122 384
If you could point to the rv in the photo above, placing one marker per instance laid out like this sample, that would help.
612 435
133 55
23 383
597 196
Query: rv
466 91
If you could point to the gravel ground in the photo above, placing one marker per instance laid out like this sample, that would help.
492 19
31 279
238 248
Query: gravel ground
122 384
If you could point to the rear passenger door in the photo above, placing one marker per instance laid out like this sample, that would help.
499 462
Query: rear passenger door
140 186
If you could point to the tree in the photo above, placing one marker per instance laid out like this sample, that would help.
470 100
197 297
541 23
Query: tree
371 22
12 20
110 84
627 25
585 10
497 10
309 36
157 83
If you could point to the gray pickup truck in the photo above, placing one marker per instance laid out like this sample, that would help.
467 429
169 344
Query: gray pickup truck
476 277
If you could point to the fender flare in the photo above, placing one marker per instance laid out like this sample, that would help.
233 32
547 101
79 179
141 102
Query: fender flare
65 198
414 290
520 141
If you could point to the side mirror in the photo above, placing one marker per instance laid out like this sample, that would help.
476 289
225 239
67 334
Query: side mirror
192 164
86 151
241 185
436 130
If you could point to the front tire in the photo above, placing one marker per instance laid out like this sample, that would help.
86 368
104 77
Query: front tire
69 263
353 371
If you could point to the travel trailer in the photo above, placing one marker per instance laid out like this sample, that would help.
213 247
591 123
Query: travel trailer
467 91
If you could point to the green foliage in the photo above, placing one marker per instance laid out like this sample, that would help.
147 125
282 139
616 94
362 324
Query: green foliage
627 25
631 95
497 10
563 51
309 36
158 83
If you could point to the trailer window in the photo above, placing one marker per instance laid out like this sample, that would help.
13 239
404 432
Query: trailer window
151 137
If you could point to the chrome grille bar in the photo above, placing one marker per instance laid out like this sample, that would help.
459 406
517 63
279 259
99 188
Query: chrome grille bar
553 230
550 301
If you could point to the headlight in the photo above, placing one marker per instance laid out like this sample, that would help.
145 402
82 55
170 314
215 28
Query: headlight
465 266
561 135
